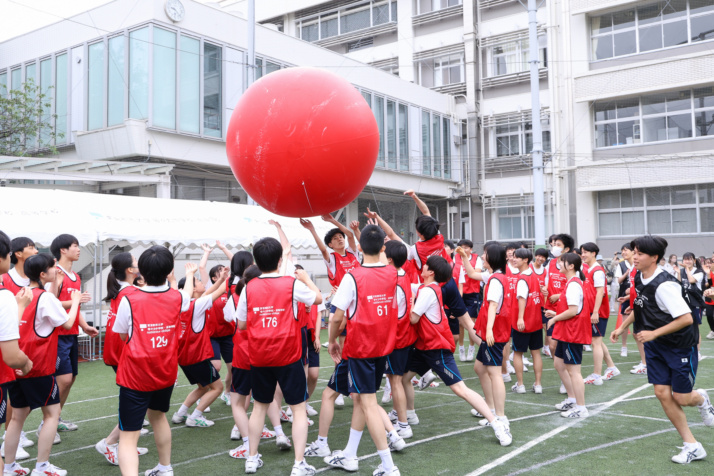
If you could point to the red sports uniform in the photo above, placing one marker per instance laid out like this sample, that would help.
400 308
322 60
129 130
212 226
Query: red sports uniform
218 327
590 290
434 335
343 265
7 374
194 346
113 345
406 332
432 247
532 317
541 276
470 285
67 287
41 350
502 323
556 284
576 330
9 284
241 360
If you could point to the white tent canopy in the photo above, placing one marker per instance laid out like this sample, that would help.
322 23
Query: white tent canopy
43 214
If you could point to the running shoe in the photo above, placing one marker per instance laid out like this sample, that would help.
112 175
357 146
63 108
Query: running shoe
283 442
396 443
462 354
537 388
380 471
316 450
199 422
706 410
690 452
235 433
575 413
565 405
518 388
502 433
266 434
302 469
623 352
593 379
108 451
66 425
19 454
51 470
178 419
15 470
426 380
340 401
405 432
338 460
241 452
310 411
470 353
611 373
252 464
226 398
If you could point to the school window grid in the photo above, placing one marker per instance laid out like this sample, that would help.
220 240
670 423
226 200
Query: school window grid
516 138
680 210
512 57
651 27
512 217
426 6
347 19
441 71
669 116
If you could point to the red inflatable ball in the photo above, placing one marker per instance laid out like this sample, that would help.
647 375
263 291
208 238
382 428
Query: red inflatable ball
302 142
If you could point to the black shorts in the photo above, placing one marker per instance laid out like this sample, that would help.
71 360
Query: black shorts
313 356
522 341
490 356
398 361
67 355
697 315
133 405
305 344
671 366
332 311
365 375
441 361
34 392
222 347
572 354
473 304
291 378
600 328
4 388
202 373
240 381
339 381
454 324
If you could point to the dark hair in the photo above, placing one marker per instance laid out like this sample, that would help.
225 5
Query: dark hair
491 243
542 252
397 252
567 240
6 247
299 266
551 238
120 263
19 244
239 263
574 259
440 267
512 246
267 253
651 245
36 265
590 247
331 234
155 264
450 244
214 272
62 242
697 262
371 240
496 257
467 243
577 251
627 246
524 253
137 279
427 226
250 272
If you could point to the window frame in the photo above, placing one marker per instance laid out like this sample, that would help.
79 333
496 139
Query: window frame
337 13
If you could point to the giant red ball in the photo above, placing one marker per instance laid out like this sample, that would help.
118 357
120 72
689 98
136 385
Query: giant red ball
302 142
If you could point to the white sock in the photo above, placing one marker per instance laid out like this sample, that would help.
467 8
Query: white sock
279 430
353 444
297 463
461 347
321 441
196 414
386 456
580 407
570 400
393 434
472 347
161 467
403 424
40 466
611 368
411 412
182 411
246 442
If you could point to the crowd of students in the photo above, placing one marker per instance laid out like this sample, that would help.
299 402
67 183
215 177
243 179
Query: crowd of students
397 309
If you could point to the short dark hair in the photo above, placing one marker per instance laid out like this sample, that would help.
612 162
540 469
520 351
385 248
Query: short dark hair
182 282
37 264
652 245
6 246
155 264
440 267
542 252
496 257
551 238
574 259
19 244
214 272
590 247
627 246
450 244
397 252
514 245
239 263
427 226
267 253
467 243
491 243
62 242
524 253
251 272
331 234
371 240
567 240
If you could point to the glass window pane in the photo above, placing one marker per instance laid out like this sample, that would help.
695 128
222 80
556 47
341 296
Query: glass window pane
379 116
651 38
604 110
367 97
625 19
436 135
394 10
190 85
655 129
684 220
258 68
649 13
702 28
684 195
352 21
271 67
61 99
609 224
625 132
380 14
706 193
653 104
115 95
679 101
403 137
446 129
95 87
625 43
601 24
632 198
704 97
674 9
706 218
628 107
700 6
602 47
605 135
679 126
609 199
425 143
675 33
212 84
658 197
164 88
49 92
139 73
3 84
328 28
309 32
704 123
16 79
659 222
391 135
633 223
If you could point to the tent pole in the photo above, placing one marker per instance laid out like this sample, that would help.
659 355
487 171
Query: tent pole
101 263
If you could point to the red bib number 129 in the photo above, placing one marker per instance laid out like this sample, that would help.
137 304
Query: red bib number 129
157 342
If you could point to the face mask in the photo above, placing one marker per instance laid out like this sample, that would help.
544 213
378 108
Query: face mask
557 250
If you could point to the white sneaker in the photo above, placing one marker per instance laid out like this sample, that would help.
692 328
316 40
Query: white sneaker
462 354
593 379
510 368
142 451
338 460
537 388
587 348
387 396
283 442
518 388
146 423
235 433
563 390
241 452
412 418
380 471
476 413
405 432
207 410
426 379
699 355
525 368
396 443
393 417
310 411
252 465
66 425
226 399
611 373
143 432
565 405
25 442
470 353
502 433
108 451
19 454
57 439
575 413
284 417
266 434
178 419
546 351
199 422
690 452
316 450
639 370
527 362
706 410
710 336
623 352
302 469
52 470
340 401
506 377
15 470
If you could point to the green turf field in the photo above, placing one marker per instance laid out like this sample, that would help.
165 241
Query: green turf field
627 431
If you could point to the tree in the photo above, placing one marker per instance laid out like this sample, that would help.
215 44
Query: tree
26 125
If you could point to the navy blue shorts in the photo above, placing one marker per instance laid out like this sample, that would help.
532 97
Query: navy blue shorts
313 356
697 315
34 392
332 311
572 354
4 388
339 380
398 361
671 366
304 339
522 341
365 375
548 332
67 355
203 373
240 381
600 328
133 405
222 347
473 303
454 324
291 378
490 356
623 307
441 361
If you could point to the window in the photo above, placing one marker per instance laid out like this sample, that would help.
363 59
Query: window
436 143
190 85
510 223
379 116
446 128
426 6
115 93
139 73
403 137
425 143
164 79
516 138
347 19
449 70
3 83
60 95
512 57
95 82
662 210
212 90
48 91
396 135
658 25
655 118
16 79
391 135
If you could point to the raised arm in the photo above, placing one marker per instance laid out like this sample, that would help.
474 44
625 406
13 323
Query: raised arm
347 232
223 248
284 242
307 224
470 271
383 225
202 272
419 203
219 287
354 225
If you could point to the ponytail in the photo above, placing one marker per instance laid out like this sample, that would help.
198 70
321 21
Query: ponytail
250 273
239 263
574 259
120 263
